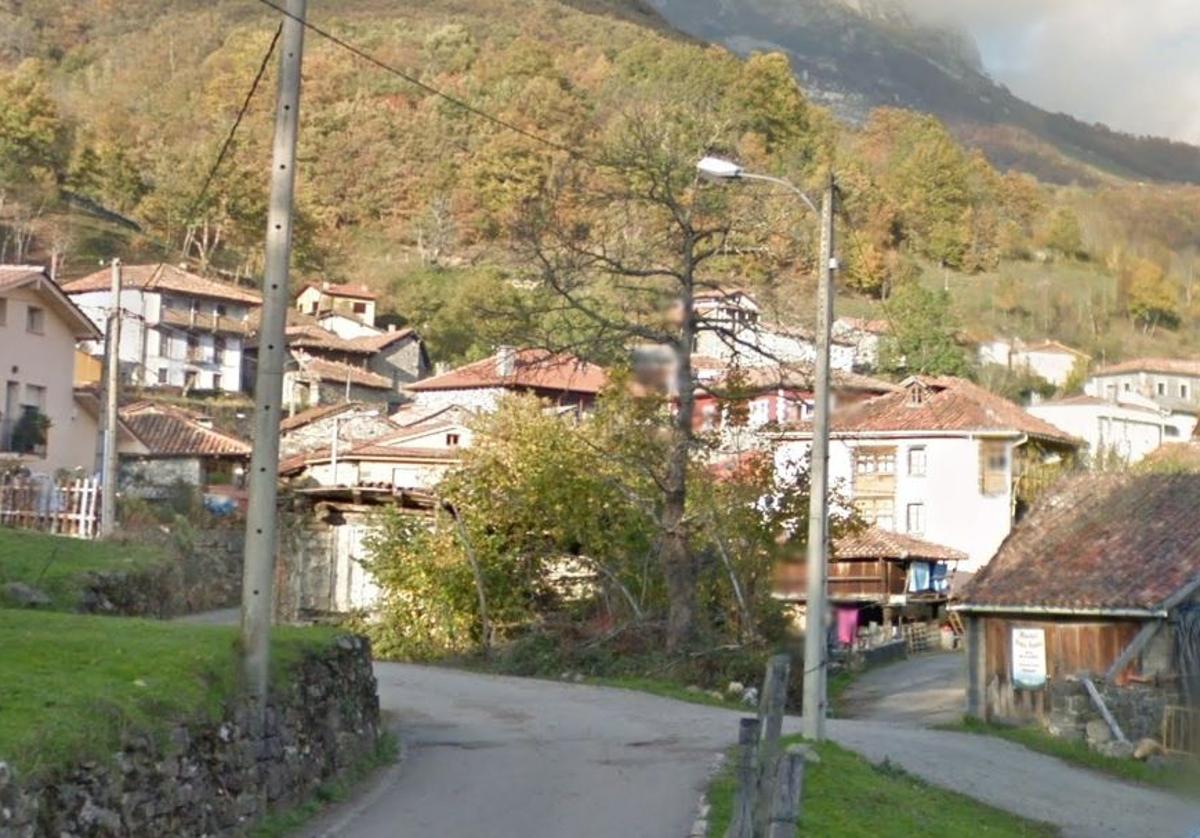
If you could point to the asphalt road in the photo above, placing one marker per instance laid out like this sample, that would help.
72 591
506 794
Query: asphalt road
499 757
924 691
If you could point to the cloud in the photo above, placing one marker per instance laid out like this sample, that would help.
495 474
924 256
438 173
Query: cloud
1131 64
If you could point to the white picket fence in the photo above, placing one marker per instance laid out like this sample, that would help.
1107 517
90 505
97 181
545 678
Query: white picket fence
69 508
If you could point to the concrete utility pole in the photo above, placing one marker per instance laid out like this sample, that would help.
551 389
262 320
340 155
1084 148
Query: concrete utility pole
261 515
816 644
112 393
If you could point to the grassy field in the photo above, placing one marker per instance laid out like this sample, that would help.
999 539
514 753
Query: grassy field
848 797
1174 777
54 564
70 684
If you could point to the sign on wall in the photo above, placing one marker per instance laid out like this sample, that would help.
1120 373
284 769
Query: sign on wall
1029 658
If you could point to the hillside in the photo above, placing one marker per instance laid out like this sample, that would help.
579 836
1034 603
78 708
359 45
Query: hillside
854 55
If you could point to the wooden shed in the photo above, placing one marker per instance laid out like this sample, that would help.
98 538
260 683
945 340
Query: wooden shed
1100 582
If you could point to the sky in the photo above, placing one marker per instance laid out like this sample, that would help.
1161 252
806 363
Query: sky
1131 64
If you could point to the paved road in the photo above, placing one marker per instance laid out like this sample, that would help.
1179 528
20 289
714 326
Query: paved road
924 691
499 757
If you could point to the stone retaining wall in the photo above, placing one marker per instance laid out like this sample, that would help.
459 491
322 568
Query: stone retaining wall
214 779
1138 709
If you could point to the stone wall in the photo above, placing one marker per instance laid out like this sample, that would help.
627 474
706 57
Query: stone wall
1138 709
212 778
203 573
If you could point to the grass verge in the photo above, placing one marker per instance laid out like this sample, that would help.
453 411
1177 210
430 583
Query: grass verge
56 565
1174 777
847 796
284 822
71 684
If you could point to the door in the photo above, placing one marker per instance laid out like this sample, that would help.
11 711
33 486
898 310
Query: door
12 400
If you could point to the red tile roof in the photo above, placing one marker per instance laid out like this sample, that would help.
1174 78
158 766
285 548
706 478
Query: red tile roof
1166 366
532 369
164 277
875 543
944 404
316 414
338 373
1099 542
172 432
356 290
376 343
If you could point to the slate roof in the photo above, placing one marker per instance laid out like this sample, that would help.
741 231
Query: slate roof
1166 366
171 432
533 369
945 404
336 372
164 277
1098 542
876 543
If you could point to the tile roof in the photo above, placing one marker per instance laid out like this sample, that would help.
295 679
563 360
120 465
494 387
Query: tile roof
164 277
172 432
532 369
316 414
1166 366
314 337
356 290
13 277
875 543
800 377
375 343
369 451
339 373
1099 542
945 404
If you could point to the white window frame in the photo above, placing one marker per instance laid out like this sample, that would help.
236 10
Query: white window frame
918 461
914 519
35 320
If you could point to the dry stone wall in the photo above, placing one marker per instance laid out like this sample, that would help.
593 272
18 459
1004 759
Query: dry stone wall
212 778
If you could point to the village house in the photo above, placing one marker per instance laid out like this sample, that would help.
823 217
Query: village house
1173 383
171 445
865 336
42 427
178 330
559 379
1048 359
942 460
877 576
730 328
347 310
1100 581
309 381
315 428
1124 430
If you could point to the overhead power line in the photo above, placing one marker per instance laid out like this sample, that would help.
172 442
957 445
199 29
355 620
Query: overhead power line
428 88
237 122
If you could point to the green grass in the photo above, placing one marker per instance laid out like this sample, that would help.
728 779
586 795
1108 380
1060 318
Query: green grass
285 822
846 796
56 565
1078 753
71 684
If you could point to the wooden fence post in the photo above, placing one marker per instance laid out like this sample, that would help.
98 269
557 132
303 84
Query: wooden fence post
741 825
770 713
787 803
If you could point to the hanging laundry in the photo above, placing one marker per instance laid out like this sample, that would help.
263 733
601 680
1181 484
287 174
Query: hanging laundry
918 577
941 577
847 626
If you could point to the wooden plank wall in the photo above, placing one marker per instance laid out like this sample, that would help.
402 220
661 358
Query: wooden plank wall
1073 647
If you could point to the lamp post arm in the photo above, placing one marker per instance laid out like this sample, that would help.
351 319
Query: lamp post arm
808 202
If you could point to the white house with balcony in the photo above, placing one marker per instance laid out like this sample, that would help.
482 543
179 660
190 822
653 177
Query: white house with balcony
42 426
940 460
178 330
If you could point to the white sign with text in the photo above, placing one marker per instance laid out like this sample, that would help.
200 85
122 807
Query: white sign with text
1029 658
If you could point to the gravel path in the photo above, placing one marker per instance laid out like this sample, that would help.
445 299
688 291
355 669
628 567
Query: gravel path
487 755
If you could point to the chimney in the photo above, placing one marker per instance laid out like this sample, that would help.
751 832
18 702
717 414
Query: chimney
506 361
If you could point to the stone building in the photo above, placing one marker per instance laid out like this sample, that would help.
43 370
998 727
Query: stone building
171 445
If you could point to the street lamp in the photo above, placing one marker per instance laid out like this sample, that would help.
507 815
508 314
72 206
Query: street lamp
816 647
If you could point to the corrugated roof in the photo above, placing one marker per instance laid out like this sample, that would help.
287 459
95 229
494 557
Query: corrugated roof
876 543
1099 542
1165 366
940 405
164 277
168 431
532 369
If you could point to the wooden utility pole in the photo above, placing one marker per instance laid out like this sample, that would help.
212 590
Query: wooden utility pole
815 643
112 394
261 515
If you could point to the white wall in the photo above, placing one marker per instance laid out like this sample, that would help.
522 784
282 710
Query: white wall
1055 367
1128 432
348 328
957 514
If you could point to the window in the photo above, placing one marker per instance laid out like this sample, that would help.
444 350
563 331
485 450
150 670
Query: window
916 462
1126 387
220 309
219 351
360 308
217 381
878 512
451 440
189 380
35 320
1162 388
1183 391
3 312
1171 430
35 397
162 375
916 519
875 461
760 413
993 468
